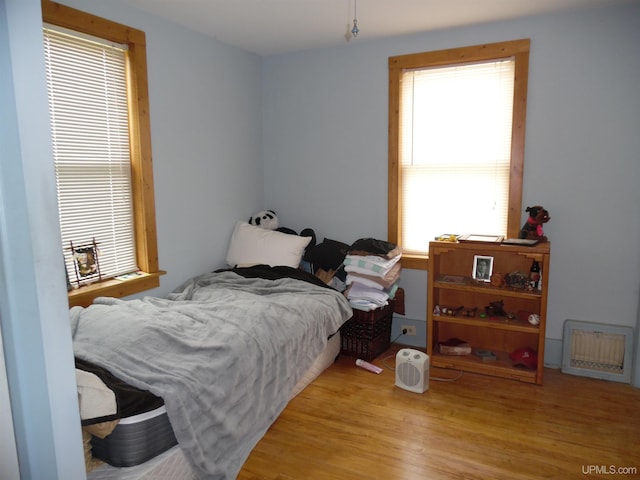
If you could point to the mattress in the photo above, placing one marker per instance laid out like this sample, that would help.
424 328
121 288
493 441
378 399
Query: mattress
319 365
136 439
171 464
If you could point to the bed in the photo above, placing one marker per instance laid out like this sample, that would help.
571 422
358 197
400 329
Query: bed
225 352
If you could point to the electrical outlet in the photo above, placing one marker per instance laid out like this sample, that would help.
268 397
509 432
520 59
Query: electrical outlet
411 330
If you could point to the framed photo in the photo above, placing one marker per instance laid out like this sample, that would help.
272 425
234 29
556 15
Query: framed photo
85 262
482 268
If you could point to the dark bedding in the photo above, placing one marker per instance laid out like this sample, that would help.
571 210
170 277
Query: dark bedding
223 351
275 273
129 400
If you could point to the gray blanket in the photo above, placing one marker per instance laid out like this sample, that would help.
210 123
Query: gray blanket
223 351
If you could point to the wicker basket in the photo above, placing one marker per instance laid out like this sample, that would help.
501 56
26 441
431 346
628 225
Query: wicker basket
367 334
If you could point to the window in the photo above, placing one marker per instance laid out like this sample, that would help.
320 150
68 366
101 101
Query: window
87 86
96 75
456 144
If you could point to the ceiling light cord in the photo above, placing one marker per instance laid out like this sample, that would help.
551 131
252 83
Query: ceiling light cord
355 30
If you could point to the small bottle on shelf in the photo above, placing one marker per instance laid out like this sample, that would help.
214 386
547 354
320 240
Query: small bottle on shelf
534 276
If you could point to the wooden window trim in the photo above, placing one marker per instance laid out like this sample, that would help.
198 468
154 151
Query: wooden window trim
516 48
141 159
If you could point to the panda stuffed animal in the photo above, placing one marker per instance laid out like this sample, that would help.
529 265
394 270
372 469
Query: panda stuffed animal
266 219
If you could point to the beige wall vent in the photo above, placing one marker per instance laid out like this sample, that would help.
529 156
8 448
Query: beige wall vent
597 350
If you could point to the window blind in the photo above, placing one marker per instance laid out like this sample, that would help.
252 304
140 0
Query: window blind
87 87
455 150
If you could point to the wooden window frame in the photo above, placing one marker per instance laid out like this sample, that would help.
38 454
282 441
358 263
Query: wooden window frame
141 159
519 49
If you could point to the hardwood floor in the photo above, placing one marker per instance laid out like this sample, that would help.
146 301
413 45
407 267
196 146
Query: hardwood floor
351 424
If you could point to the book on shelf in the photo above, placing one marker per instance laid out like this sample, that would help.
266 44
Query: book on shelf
485 355
526 242
458 279
454 346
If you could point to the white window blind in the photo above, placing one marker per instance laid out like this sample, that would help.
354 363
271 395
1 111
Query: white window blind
455 151
87 86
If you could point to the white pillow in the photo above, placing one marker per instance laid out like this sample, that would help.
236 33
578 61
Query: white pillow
251 245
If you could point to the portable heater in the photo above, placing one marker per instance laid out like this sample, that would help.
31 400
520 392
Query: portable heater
412 370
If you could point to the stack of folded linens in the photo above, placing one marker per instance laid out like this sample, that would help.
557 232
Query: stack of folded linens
373 273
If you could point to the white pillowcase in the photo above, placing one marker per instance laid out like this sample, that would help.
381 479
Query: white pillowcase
251 245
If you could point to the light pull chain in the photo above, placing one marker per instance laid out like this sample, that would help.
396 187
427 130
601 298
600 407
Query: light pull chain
355 30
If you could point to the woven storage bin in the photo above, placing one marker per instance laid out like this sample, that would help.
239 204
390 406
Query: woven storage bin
367 334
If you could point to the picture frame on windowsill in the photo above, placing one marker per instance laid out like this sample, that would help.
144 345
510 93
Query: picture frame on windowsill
85 262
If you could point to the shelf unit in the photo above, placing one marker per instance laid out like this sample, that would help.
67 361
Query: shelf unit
450 285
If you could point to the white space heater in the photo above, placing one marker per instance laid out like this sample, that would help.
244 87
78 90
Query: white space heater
597 350
412 370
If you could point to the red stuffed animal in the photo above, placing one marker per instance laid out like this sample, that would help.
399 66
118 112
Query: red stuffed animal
532 229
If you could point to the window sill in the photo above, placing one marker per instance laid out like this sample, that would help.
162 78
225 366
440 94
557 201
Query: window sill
415 261
84 295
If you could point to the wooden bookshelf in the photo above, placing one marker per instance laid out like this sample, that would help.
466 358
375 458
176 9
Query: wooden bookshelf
450 286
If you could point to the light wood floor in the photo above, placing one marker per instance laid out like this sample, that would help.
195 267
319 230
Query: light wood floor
351 424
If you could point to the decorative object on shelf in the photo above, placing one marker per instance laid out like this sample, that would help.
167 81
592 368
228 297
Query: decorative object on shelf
534 319
485 355
496 309
482 268
532 229
451 311
475 238
447 237
454 346
534 275
525 356
517 279
523 315
497 280
470 312
85 261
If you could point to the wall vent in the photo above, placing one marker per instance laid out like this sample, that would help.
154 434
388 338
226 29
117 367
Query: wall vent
597 350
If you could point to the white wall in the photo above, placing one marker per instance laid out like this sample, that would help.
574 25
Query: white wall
8 450
33 307
325 149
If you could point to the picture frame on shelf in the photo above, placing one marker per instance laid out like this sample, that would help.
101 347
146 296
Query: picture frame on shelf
482 268
476 238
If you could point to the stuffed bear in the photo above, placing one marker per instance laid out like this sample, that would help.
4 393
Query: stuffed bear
532 229
266 219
